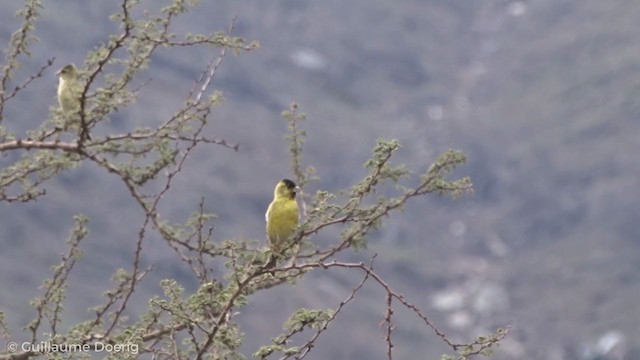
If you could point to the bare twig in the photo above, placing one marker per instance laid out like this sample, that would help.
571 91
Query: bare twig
389 325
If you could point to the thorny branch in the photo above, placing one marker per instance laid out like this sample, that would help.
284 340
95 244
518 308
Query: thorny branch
102 151
474 348
306 347
389 325
19 46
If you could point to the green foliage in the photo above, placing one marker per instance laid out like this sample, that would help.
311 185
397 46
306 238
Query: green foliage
298 321
302 318
483 345
434 177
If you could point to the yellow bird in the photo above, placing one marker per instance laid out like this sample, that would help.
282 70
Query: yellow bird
282 218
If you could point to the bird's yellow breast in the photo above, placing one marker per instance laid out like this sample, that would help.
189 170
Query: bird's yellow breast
282 219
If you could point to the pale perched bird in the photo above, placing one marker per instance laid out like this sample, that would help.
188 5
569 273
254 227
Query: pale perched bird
69 90
282 218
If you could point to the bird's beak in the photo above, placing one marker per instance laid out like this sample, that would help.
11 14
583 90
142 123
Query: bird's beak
297 189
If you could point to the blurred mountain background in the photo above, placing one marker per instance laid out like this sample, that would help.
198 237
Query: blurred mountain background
540 95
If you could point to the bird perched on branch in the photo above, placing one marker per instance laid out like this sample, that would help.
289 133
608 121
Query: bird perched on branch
282 218
69 92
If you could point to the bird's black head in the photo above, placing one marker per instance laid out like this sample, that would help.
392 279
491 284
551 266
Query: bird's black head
289 184
286 189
